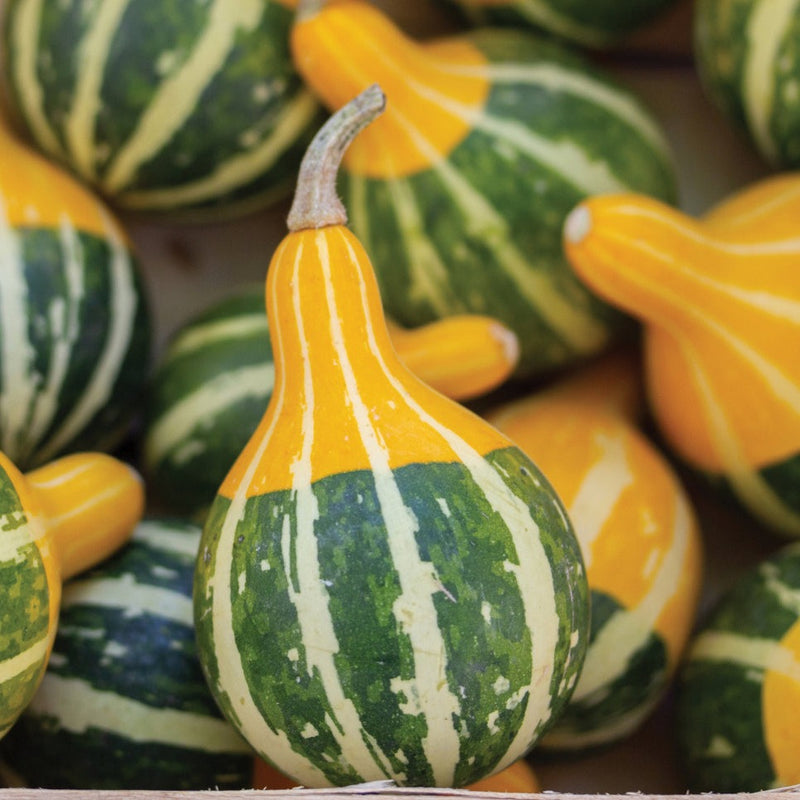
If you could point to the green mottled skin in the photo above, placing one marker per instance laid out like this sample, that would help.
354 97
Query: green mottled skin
634 692
187 483
721 699
363 584
722 46
143 657
24 610
531 198
44 275
231 104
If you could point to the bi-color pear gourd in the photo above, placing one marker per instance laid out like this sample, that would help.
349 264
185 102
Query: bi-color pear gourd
387 588
719 299
58 520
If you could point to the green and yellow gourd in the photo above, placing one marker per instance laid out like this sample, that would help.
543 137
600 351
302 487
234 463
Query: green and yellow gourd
748 58
460 190
75 326
719 298
639 537
386 586
123 704
176 107
215 378
738 698
58 520
596 25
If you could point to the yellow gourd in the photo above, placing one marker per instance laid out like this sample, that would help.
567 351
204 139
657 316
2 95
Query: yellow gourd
719 299
58 520
387 588
639 537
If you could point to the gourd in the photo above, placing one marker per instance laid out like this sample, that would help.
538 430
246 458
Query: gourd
747 60
639 537
180 108
408 575
123 704
596 25
718 300
738 695
75 324
215 378
459 192
58 520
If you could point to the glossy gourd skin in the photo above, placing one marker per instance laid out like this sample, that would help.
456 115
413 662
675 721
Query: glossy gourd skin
639 536
216 375
60 519
407 573
748 60
180 108
738 696
718 299
123 704
459 192
75 324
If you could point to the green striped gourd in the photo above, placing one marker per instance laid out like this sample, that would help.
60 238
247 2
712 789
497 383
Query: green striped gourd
748 58
739 690
460 190
594 24
386 586
57 521
75 327
175 107
123 704
718 298
216 376
638 534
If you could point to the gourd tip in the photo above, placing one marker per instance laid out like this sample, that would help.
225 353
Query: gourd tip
578 224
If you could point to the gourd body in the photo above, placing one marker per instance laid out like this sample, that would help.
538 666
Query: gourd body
639 537
123 704
588 24
747 58
215 378
409 576
718 300
459 190
739 690
174 107
75 325
59 519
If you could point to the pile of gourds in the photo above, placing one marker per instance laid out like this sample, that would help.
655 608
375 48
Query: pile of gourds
439 512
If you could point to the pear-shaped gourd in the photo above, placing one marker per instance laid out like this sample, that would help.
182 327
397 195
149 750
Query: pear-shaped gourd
75 326
459 191
719 299
58 520
639 537
386 586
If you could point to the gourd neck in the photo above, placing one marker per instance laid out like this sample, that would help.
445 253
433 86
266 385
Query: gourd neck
434 89
90 504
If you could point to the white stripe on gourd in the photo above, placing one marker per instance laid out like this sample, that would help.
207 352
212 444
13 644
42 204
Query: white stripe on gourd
31 657
178 96
123 305
746 651
766 30
237 170
159 537
175 427
208 334
110 712
614 645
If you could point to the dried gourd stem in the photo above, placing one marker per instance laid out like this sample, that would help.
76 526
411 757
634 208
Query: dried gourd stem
316 203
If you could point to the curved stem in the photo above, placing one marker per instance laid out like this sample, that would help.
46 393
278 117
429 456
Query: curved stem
316 203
